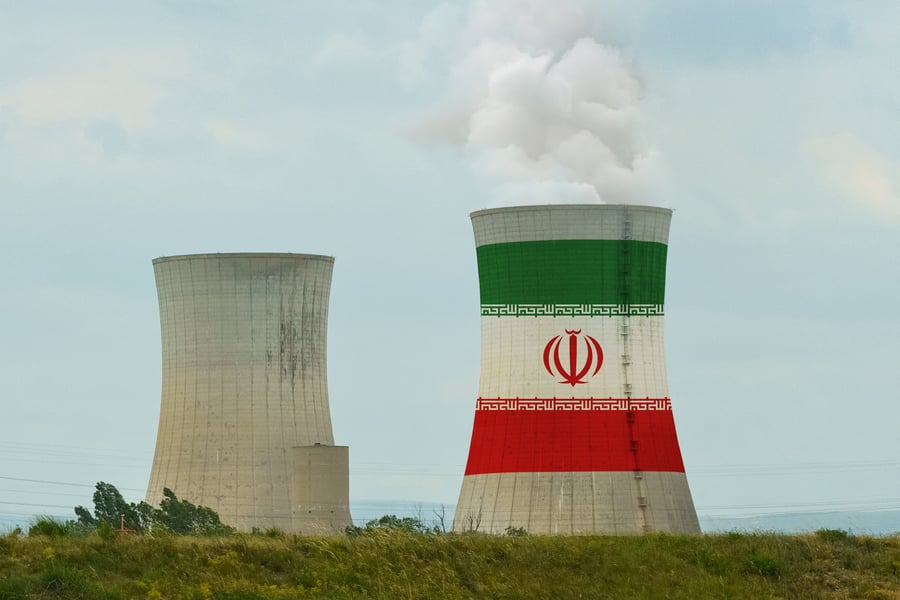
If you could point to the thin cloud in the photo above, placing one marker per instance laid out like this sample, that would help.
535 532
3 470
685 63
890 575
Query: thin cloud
863 176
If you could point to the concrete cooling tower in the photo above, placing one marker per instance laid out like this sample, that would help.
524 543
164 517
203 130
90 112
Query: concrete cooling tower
573 427
244 425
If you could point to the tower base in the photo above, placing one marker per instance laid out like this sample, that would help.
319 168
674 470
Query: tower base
615 502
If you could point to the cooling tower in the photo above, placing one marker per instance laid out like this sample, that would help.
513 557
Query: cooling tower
573 427
244 425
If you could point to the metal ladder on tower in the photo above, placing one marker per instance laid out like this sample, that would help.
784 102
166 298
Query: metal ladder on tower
631 414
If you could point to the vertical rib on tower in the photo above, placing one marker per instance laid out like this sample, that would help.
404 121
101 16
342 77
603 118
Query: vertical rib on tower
573 427
244 423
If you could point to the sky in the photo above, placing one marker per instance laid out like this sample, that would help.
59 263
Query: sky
132 130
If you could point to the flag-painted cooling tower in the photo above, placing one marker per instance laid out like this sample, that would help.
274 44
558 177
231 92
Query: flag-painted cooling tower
573 427
244 424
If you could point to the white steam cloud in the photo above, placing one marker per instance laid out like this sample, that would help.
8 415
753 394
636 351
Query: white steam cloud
544 111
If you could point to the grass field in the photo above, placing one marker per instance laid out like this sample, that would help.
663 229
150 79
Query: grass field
391 565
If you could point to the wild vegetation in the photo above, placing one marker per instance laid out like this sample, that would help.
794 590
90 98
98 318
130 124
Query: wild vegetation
182 551
112 512
391 560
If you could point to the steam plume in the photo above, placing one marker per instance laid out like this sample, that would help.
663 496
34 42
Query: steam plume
544 111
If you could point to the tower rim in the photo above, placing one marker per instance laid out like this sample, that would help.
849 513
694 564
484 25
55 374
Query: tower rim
583 206
225 255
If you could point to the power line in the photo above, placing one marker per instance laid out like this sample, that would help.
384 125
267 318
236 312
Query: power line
31 504
64 483
30 450
40 493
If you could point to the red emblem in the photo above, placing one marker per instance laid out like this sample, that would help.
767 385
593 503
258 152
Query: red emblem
577 369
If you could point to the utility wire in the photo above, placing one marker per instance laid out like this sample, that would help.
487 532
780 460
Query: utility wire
65 483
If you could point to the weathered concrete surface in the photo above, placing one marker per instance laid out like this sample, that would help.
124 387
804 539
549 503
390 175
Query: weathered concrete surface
321 489
243 380
564 503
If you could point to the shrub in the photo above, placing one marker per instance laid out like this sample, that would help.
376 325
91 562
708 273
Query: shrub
14 588
105 531
50 527
67 581
832 535
767 565
391 523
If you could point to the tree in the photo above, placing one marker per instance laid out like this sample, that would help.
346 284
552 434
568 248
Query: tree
85 517
174 515
181 516
392 523
110 508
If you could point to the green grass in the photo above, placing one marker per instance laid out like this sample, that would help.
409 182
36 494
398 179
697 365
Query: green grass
391 565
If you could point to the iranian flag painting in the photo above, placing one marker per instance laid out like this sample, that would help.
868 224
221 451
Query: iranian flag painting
573 430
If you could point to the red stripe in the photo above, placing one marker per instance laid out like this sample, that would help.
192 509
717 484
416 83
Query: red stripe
516 441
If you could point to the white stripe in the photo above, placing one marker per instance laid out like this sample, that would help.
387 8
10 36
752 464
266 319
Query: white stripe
571 222
580 502
512 363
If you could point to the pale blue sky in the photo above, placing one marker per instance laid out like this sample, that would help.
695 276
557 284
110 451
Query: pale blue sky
130 130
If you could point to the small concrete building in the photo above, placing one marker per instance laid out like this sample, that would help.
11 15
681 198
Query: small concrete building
245 426
573 430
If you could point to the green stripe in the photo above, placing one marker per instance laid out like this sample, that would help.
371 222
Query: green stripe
573 272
